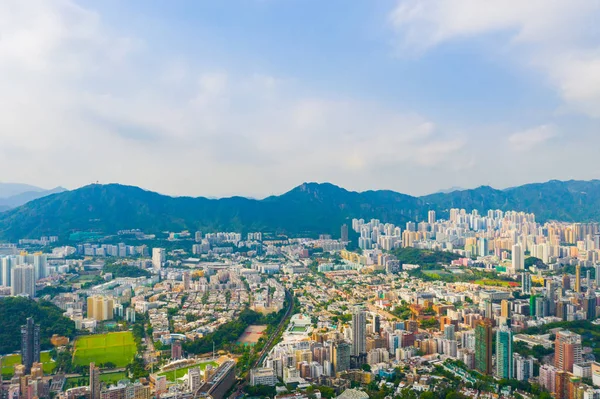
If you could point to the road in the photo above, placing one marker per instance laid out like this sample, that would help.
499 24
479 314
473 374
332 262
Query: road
238 393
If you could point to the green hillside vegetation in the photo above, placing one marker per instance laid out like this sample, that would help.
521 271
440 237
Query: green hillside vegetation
414 256
125 271
14 312
308 209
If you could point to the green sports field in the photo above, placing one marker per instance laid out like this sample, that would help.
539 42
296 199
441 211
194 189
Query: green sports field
171 375
118 348
8 363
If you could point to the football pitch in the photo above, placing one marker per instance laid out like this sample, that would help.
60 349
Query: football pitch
118 348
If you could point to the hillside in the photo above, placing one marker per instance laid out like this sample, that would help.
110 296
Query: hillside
14 313
310 208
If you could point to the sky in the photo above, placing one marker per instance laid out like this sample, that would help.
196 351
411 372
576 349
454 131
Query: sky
254 97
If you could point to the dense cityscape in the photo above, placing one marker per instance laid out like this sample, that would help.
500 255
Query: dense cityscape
476 305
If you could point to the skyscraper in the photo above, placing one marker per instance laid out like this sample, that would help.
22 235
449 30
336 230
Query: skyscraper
344 233
30 344
376 323
504 353
449 332
22 281
597 271
505 308
341 357
483 346
567 350
578 278
359 332
94 381
518 258
483 247
525 283
431 217
158 258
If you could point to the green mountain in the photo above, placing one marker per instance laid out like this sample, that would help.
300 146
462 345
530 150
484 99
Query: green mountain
310 208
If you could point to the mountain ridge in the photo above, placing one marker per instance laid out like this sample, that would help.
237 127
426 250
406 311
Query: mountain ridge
309 208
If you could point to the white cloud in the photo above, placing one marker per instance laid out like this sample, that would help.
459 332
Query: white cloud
557 37
531 138
80 103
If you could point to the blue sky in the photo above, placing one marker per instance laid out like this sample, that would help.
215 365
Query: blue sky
253 97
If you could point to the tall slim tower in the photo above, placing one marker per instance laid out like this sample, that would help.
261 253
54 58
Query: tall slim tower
483 346
94 381
518 258
30 344
578 278
525 283
158 258
359 332
504 353
344 233
431 219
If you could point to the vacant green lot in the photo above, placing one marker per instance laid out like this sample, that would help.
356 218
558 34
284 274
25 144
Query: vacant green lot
8 363
118 348
173 374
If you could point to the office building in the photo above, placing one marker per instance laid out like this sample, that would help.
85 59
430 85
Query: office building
94 381
567 350
359 332
30 344
504 353
158 258
100 308
483 346
22 281
341 357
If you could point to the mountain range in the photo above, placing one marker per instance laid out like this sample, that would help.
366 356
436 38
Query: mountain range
310 208
13 195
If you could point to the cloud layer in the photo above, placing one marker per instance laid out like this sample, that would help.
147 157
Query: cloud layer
83 101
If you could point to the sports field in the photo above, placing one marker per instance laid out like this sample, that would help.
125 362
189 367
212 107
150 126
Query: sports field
118 348
8 363
496 283
173 374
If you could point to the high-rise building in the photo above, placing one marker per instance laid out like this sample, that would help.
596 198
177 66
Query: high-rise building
431 217
567 350
449 332
578 278
483 247
39 265
504 353
158 258
30 344
344 233
94 381
5 271
341 356
597 276
376 323
176 352
525 283
100 308
518 258
505 308
523 369
22 281
359 332
483 346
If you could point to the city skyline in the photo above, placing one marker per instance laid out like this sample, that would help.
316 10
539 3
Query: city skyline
194 89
